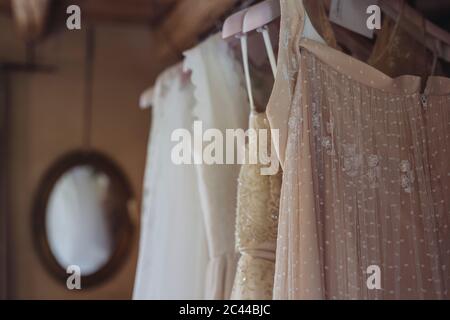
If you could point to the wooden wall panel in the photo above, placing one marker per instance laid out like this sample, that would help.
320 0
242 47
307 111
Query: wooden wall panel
47 121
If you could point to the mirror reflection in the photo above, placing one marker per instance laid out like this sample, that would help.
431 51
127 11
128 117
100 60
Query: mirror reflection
80 218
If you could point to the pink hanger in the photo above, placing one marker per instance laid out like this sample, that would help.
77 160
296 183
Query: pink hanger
261 15
257 18
244 21
233 27
233 24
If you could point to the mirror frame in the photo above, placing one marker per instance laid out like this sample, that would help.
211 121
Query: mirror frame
123 238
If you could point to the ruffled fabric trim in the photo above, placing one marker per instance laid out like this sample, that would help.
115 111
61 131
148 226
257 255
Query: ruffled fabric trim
214 51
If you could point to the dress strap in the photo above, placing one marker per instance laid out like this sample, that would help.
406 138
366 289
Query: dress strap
315 9
278 107
248 81
292 23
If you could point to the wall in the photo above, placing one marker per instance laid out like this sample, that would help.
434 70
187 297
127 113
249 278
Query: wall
3 183
46 121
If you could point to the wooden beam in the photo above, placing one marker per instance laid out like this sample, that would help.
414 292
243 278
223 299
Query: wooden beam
93 11
129 11
436 10
433 8
189 19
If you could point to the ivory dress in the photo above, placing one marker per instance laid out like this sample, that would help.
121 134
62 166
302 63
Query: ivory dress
258 202
220 104
256 225
365 176
173 253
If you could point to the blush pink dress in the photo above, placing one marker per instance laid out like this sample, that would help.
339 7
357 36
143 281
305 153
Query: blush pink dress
366 176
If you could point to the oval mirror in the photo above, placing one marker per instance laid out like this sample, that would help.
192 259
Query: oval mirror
82 216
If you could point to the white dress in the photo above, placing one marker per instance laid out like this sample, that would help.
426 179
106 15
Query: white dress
221 103
173 254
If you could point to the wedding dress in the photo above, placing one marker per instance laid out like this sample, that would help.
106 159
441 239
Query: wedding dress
220 104
364 210
259 197
173 255
256 225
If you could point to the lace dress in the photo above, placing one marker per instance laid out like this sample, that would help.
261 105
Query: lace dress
256 226
364 206
173 253
220 100
259 197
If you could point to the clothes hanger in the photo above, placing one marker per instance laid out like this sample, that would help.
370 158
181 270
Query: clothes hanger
260 15
268 10
244 47
239 25
233 24
269 48
233 27
257 18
